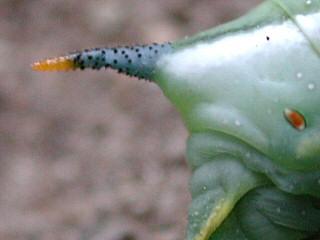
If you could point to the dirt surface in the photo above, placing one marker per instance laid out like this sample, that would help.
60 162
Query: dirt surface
93 155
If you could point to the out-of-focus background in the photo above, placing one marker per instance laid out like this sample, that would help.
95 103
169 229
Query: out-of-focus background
93 155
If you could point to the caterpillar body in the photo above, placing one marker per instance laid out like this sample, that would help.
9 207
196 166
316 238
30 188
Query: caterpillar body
249 94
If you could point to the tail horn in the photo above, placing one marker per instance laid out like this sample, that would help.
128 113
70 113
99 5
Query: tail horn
137 61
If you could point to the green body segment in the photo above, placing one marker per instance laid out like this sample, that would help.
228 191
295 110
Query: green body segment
232 85
241 82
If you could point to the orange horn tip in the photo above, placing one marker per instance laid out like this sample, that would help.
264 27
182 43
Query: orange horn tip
61 63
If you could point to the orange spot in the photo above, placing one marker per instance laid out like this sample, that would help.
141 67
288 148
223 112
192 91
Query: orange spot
295 118
61 63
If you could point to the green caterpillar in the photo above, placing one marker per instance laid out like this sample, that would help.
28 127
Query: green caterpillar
249 94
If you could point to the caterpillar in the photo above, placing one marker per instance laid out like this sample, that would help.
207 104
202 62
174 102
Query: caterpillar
249 94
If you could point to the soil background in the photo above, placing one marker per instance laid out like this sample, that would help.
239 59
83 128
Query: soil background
92 155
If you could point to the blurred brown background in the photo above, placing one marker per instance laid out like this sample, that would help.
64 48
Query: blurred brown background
93 155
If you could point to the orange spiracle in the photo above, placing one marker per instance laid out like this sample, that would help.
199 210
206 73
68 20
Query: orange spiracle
296 119
61 63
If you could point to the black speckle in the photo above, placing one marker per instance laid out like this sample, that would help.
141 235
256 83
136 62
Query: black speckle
126 56
89 57
103 59
82 67
115 61
95 65
155 51
120 70
268 38
115 51
129 61
107 65
139 55
82 63
150 47
137 49
123 51
103 52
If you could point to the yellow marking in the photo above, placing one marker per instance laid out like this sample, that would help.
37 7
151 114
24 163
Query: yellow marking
61 63
219 214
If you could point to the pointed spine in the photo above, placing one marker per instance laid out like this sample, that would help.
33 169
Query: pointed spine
137 61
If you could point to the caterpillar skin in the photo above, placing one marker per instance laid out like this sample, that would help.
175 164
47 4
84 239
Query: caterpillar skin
249 94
